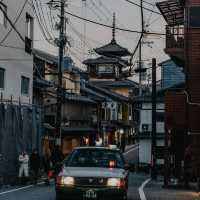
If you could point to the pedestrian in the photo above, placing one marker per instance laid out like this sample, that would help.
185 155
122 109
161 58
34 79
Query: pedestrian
35 163
187 165
23 166
123 143
47 164
57 156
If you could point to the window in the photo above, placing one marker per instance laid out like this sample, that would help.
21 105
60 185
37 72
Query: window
25 82
2 78
105 69
29 34
195 17
3 20
160 116
29 26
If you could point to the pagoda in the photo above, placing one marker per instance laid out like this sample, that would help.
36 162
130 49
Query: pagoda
111 63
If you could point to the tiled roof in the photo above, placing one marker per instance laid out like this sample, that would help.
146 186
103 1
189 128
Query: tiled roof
116 83
112 49
172 11
78 98
107 92
105 60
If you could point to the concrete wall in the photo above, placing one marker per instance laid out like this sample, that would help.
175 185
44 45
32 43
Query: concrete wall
146 116
14 59
145 151
145 139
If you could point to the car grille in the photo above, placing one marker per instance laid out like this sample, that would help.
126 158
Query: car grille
89 181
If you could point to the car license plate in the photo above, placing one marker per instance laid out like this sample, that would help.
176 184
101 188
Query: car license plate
90 194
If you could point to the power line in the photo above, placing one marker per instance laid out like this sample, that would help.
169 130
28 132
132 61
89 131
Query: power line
10 22
145 8
12 47
108 26
16 20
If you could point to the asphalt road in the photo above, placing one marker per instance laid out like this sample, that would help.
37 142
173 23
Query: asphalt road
42 192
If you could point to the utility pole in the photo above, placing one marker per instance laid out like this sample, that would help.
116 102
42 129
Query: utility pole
140 49
62 43
154 131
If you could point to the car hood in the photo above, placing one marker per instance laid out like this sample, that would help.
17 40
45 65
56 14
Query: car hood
93 172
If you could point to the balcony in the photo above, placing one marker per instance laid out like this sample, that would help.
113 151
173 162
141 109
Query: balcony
175 44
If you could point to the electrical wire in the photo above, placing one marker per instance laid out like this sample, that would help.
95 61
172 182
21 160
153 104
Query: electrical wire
145 8
14 23
108 26
11 23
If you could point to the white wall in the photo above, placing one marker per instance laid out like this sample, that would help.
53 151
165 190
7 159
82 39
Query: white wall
145 151
16 62
145 144
146 117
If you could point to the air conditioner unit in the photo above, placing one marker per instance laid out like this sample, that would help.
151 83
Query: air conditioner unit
146 127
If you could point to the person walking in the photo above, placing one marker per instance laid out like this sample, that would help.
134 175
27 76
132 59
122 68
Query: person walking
57 156
35 163
47 164
123 143
23 166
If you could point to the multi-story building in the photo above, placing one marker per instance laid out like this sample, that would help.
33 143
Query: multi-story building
79 112
171 74
108 74
183 46
20 127
144 132
16 41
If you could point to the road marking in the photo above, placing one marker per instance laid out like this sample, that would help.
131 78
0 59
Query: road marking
132 149
141 189
21 188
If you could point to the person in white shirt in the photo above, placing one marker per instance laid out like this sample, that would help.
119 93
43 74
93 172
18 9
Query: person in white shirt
23 165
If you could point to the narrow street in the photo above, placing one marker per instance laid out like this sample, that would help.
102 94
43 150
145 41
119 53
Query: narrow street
42 192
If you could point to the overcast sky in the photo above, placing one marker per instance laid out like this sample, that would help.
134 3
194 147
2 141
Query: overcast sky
127 16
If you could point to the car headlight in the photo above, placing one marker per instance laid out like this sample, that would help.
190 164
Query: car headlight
68 181
114 182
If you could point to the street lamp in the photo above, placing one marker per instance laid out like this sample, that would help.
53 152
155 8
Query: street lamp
121 131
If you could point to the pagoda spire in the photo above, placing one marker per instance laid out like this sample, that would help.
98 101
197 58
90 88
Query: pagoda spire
114 28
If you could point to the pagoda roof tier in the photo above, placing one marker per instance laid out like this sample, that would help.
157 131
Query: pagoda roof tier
172 11
106 60
112 49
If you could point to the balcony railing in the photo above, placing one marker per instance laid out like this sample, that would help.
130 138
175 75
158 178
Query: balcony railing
175 37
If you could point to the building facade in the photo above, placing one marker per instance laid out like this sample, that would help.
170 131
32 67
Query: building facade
144 105
183 46
171 74
16 61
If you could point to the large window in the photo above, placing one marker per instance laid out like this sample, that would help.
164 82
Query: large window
29 34
25 82
3 20
160 116
195 17
104 69
2 78
29 26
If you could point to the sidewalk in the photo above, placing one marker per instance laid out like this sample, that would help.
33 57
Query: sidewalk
154 191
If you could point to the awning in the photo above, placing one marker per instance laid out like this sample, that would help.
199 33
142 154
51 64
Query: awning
172 11
68 131
48 126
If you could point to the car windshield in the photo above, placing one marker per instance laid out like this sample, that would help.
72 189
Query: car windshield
95 158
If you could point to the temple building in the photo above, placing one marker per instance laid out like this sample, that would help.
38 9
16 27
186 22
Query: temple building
112 62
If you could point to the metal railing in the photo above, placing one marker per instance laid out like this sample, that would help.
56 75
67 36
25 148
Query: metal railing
174 37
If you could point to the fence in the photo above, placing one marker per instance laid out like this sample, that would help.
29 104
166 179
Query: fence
20 129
